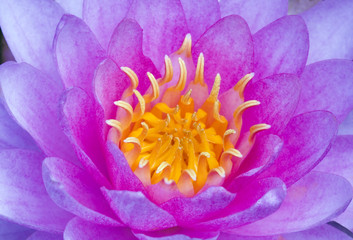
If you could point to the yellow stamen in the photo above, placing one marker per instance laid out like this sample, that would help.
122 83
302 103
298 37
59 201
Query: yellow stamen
239 112
199 74
257 128
186 46
240 86
133 78
140 110
155 89
168 75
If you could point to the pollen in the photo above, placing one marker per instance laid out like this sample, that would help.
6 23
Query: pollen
180 143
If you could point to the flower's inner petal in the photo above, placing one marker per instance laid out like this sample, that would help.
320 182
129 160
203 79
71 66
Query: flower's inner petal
166 137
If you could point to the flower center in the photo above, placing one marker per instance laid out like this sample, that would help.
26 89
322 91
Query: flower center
165 137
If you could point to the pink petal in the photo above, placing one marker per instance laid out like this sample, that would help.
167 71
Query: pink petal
74 190
72 7
23 198
164 27
177 234
33 99
202 206
330 30
78 53
102 16
20 21
135 210
278 95
307 139
163 191
257 13
227 51
77 228
327 85
281 47
125 48
200 15
313 200
230 236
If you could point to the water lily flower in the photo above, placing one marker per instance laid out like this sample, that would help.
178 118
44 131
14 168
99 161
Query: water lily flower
180 119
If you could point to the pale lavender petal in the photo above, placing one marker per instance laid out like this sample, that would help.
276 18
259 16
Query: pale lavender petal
78 53
78 227
330 30
230 236
136 211
125 48
200 15
13 231
164 27
176 234
73 7
313 200
307 139
71 188
45 236
257 13
102 16
23 197
346 127
203 206
33 99
29 28
281 47
327 85
228 49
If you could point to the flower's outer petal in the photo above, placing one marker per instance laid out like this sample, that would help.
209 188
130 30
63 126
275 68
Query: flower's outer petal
281 47
72 7
102 16
346 127
33 99
109 85
204 205
323 232
254 201
278 95
304 204
12 135
136 211
164 27
339 161
230 236
228 49
71 188
83 124
327 85
45 236
257 13
23 197
78 227
330 30
78 53
125 48
177 234
13 231
29 28
307 139
200 15
122 176
163 191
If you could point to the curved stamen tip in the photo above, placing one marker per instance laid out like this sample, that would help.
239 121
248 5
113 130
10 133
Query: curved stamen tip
143 162
215 89
186 46
221 172
168 181
257 128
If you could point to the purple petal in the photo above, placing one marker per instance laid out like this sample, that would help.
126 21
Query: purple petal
256 200
72 7
257 13
230 236
33 99
227 51
23 197
29 28
12 135
74 190
346 127
330 30
77 228
327 85
13 231
281 47
45 236
204 205
278 95
135 210
200 15
307 138
176 234
313 200
77 51
164 27
339 160
109 85
125 48
102 16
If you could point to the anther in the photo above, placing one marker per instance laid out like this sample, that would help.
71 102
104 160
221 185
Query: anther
128 108
257 128
241 84
226 141
240 109
199 74
155 89
141 110
114 123
162 167
215 89
133 78
143 162
186 98
182 77
186 46
168 75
